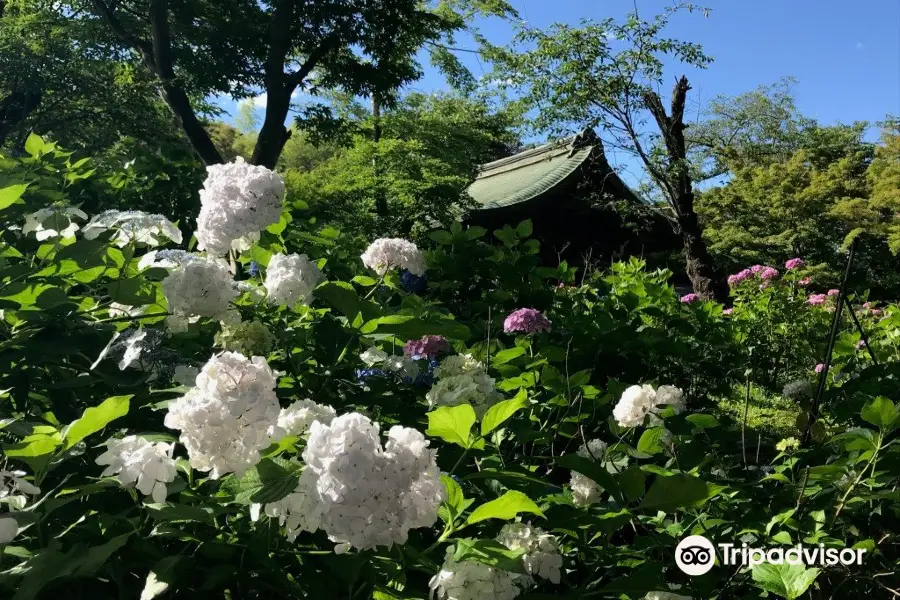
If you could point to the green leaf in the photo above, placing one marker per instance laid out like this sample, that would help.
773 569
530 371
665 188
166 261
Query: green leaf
133 291
10 195
364 280
409 327
680 490
441 236
633 483
34 145
452 423
95 418
788 581
33 446
269 481
490 552
500 412
524 229
880 412
701 421
505 507
651 441
504 356
592 470
455 503
341 296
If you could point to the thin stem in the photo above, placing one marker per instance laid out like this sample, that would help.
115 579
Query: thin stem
835 323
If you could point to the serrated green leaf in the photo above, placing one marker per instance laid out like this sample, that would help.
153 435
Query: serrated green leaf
788 581
95 418
501 411
452 423
677 491
11 194
490 552
269 481
505 507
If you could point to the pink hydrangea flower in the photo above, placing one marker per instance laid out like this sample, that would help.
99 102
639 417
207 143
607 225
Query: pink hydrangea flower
689 298
868 305
526 320
815 299
727 311
820 367
739 276
805 281
429 346
833 292
860 344
794 263
757 268
769 273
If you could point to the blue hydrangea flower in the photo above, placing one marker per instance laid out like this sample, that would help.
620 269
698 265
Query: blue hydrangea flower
253 269
413 284
424 378
363 374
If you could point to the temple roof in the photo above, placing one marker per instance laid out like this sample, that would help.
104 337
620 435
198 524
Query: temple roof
534 172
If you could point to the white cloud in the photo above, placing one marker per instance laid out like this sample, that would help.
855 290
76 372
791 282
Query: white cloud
260 101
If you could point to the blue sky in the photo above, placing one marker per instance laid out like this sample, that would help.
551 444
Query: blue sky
844 53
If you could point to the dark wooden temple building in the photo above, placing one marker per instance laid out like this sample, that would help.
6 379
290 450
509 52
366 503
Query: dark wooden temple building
577 203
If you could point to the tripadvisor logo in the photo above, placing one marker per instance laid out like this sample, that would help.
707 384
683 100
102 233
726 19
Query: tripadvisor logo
696 555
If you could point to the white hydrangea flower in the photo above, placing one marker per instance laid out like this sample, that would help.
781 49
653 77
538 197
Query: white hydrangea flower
373 356
385 254
542 557
665 596
671 396
9 528
363 494
297 418
634 405
186 374
238 200
298 511
13 483
146 465
470 580
226 417
291 279
199 287
53 222
475 389
459 364
463 380
132 226
584 489
133 348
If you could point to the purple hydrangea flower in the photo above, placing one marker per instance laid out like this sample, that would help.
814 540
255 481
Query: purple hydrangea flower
757 268
794 263
689 298
429 346
815 299
833 292
413 284
860 344
526 320
820 367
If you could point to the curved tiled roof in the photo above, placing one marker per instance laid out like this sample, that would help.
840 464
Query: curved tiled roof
527 175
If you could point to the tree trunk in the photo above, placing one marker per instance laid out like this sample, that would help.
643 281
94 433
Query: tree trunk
706 279
157 56
273 135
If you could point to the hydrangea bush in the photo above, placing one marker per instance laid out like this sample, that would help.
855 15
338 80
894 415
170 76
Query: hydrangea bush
284 417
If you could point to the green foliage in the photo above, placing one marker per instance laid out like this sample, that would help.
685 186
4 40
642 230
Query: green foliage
681 473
